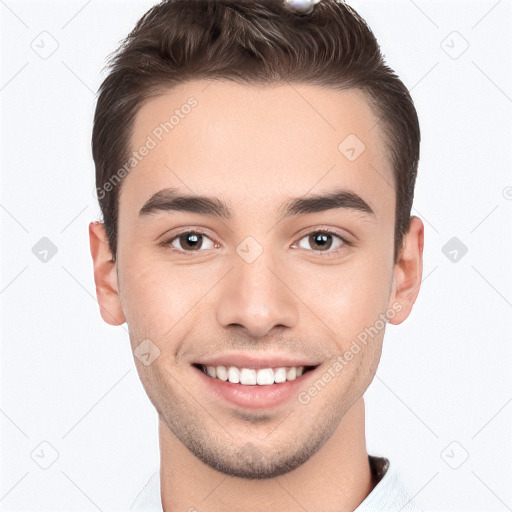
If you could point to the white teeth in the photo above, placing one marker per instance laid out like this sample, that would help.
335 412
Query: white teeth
251 376
234 375
265 377
247 377
291 374
222 373
280 375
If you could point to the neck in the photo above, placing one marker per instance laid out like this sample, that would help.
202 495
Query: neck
337 478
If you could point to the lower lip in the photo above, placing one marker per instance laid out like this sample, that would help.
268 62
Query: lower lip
256 396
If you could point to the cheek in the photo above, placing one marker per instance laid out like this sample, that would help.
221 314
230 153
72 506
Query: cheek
159 299
348 297
147 296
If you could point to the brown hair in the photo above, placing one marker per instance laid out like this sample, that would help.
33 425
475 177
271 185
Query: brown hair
249 42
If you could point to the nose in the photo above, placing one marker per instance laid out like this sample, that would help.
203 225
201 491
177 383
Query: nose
257 297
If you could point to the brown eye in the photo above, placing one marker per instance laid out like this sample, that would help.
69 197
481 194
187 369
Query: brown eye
190 241
323 241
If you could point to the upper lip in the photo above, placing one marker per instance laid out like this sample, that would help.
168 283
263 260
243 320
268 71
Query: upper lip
253 361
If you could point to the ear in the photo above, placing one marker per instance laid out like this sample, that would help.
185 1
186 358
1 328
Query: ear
407 272
105 275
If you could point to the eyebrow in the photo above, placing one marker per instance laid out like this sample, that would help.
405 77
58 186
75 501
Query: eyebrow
170 199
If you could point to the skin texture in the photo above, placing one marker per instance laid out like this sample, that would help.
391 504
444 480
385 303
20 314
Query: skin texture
256 147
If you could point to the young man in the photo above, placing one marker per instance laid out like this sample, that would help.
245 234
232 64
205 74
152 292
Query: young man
255 166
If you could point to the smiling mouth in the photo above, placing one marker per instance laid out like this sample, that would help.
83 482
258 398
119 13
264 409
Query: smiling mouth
255 376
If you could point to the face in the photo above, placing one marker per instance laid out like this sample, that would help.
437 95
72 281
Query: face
261 276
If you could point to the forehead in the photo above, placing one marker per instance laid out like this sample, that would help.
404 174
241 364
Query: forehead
257 143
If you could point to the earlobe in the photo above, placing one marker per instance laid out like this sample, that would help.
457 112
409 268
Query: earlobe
105 275
407 272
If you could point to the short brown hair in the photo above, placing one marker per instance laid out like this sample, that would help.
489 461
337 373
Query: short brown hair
250 42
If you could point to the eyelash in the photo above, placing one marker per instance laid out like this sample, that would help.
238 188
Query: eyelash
325 254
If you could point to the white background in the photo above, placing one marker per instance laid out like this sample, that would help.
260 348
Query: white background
443 390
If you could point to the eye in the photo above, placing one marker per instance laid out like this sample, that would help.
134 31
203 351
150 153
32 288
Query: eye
192 242
322 241
189 241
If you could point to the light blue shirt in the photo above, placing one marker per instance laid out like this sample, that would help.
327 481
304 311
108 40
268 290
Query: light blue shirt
389 495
